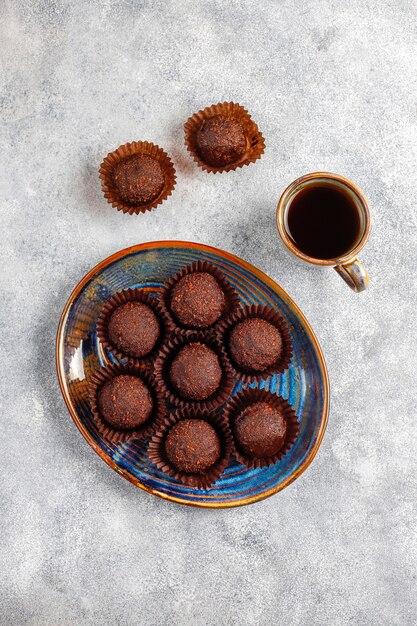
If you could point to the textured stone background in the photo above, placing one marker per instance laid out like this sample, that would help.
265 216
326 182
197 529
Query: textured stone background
333 86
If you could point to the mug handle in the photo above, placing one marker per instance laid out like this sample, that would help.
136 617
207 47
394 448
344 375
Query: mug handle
354 274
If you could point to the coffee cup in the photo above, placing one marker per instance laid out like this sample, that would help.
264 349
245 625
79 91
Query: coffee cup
324 219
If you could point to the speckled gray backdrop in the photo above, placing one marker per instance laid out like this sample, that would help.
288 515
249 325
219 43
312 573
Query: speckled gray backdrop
332 85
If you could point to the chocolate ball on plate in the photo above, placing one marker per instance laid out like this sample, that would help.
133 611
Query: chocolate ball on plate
192 446
255 344
196 372
125 402
260 430
133 329
197 300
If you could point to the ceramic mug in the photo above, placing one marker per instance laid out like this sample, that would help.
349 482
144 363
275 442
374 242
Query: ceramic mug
347 265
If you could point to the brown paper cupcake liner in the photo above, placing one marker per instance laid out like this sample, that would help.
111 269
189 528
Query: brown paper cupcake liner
163 363
244 399
120 436
135 147
156 448
269 315
255 143
231 297
122 297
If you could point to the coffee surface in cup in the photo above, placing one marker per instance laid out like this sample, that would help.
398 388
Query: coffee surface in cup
323 221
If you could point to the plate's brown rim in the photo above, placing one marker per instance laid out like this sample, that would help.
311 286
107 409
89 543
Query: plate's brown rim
282 293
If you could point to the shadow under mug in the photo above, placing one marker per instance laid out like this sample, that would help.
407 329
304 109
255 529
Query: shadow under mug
347 265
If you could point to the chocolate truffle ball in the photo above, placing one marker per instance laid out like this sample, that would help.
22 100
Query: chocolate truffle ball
195 372
138 179
221 141
260 430
255 344
197 300
192 446
133 328
125 402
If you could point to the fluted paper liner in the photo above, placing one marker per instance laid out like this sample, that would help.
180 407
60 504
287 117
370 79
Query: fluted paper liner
162 372
250 396
135 147
156 448
120 298
269 315
255 143
100 377
232 301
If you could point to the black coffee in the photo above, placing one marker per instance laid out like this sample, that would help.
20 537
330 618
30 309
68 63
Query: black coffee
323 221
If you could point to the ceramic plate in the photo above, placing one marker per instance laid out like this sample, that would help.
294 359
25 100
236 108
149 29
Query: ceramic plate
79 354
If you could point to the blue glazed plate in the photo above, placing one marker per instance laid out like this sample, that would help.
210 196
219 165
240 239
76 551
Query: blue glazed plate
79 353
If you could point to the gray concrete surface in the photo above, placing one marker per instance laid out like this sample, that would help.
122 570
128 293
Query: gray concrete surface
333 86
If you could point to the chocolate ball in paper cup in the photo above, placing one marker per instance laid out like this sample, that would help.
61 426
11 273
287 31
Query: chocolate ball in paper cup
132 326
137 176
125 402
256 341
192 446
193 371
223 137
264 427
198 297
